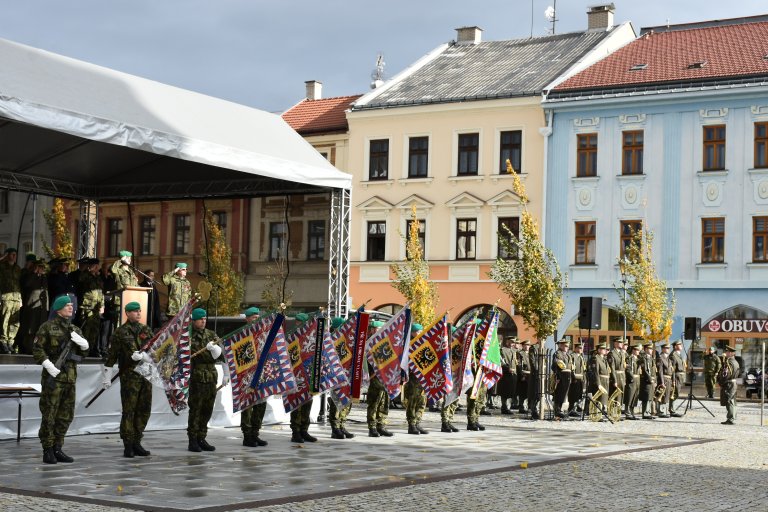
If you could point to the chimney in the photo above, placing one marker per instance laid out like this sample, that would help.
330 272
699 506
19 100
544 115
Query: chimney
600 17
314 89
468 35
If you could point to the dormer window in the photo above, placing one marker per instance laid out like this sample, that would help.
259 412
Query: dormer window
697 65
638 67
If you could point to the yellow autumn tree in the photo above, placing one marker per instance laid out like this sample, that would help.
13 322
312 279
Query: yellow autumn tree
412 278
533 281
649 304
56 220
229 286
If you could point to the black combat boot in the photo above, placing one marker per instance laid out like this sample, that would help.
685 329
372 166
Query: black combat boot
139 450
205 446
336 433
421 430
260 441
194 446
128 449
250 442
472 426
384 432
48 456
479 426
347 433
446 428
372 432
296 437
60 455
453 429
308 437
413 430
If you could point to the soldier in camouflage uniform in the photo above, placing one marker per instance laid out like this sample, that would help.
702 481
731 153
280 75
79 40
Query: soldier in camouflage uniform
300 420
252 418
179 289
92 305
202 384
475 405
678 379
727 380
57 398
125 349
712 365
10 301
34 295
562 365
415 398
124 276
338 416
376 397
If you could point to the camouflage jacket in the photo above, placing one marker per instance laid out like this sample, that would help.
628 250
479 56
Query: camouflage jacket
712 364
124 276
127 339
10 280
179 292
203 368
93 294
51 338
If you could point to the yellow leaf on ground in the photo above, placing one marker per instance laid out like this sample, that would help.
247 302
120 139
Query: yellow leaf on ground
524 465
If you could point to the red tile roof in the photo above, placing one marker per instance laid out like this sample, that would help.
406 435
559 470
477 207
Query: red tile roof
317 116
729 51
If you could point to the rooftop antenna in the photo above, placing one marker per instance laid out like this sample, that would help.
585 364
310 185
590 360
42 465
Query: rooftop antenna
531 19
377 75
551 14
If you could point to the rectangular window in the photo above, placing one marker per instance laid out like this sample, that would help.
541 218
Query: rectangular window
147 235
585 242
466 236
422 234
632 152
418 149
714 148
761 145
511 148
220 219
713 240
628 230
586 154
507 225
760 239
316 240
181 234
114 233
469 148
378 165
377 240
277 241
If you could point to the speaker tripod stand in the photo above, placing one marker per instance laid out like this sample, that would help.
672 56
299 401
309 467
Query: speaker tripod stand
692 397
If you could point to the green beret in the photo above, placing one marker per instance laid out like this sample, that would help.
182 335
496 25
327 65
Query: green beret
336 322
416 327
377 324
181 265
252 311
132 306
10 250
60 302
198 313
31 256
123 254
301 317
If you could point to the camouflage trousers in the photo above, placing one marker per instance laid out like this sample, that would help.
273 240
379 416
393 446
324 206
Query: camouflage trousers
415 401
57 409
202 395
475 405
338 416
710 379
251 419
136 397
10 318
90 324
378 404
300 418
447 411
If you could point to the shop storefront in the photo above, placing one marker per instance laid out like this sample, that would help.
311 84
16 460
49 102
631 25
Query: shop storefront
742 327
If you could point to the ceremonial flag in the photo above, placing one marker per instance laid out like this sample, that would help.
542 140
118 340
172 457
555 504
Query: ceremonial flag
430 360
332 374
345 342
490 358
461 360
301 348
242 351
385 350
171 366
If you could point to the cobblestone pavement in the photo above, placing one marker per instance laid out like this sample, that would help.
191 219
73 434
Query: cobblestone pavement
727 473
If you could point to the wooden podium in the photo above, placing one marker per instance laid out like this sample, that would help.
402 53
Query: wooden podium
138 294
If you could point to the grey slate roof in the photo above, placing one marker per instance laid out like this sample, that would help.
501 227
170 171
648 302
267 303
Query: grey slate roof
489 70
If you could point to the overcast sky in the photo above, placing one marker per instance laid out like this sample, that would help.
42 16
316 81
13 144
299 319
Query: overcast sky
259 53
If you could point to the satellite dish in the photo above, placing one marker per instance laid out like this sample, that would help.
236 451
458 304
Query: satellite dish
549 13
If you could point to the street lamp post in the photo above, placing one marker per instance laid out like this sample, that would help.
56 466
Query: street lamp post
623 269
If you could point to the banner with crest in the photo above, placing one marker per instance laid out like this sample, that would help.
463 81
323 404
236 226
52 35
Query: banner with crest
302 345
385 351
332 375
462 341
490 357
345 342
171 355
242 351
430 360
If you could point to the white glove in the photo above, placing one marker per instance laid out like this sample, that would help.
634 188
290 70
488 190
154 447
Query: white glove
79 340
214 349
146 357
125 259
225 374
136 356
51 368
106 377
